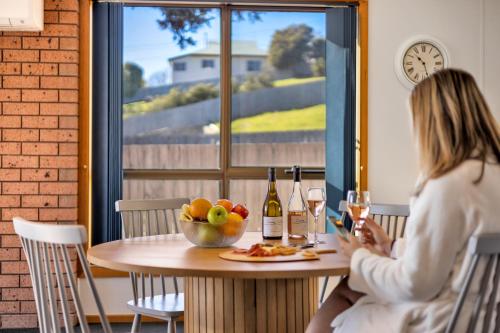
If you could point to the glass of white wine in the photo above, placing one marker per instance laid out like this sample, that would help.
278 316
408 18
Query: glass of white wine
358 208
316 200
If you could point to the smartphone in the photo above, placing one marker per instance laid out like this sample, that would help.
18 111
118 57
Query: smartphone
339 226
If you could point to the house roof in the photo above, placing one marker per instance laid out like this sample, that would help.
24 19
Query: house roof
239 47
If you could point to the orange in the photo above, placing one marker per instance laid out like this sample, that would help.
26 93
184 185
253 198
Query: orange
234 218
228 205
199 208
233 224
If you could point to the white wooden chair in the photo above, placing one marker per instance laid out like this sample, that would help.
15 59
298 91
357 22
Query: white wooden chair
391 217
147 218
45 246
483 247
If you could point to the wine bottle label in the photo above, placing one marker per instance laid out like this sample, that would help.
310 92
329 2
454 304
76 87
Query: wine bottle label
272 226
298 225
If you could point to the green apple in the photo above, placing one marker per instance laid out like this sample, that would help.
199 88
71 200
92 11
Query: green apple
207 233
217 215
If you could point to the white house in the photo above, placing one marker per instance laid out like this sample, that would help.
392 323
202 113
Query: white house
204 64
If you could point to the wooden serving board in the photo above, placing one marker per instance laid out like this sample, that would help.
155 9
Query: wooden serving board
230 255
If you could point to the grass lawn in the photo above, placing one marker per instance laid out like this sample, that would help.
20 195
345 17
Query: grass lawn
292 81
311 118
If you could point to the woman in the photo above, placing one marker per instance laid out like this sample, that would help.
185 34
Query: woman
411 285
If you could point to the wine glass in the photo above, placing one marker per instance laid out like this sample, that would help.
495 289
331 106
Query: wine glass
358 208
316 199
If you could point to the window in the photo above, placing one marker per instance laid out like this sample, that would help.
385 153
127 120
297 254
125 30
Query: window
179 66
253 65
191 132
207 63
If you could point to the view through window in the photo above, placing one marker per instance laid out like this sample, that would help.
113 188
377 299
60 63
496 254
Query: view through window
172 101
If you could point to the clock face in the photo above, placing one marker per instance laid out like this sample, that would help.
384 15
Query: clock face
421 60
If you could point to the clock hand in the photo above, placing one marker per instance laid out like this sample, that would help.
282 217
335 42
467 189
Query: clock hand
423 63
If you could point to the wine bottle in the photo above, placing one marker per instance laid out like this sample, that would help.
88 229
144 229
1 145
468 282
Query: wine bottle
272 215
297 209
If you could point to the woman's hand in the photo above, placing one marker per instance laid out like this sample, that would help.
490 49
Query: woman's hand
382 242
348 247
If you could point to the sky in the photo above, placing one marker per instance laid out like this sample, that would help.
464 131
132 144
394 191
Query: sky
150 47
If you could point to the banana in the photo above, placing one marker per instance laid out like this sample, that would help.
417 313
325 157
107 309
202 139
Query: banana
186 217
185 209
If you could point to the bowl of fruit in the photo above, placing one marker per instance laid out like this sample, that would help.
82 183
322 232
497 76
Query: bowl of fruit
218 225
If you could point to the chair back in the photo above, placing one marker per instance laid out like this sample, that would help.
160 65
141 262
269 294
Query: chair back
391 217
48 249
485 246
148 218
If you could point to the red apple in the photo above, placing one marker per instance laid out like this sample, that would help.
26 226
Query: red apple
240 210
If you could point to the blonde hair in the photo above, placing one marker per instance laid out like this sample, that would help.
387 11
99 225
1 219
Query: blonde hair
451 123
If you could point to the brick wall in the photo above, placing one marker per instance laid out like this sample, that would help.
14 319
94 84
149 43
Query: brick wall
38 143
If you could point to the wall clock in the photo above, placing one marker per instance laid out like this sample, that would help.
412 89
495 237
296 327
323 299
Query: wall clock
418 58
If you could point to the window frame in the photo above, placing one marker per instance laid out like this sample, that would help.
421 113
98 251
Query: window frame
180 66
204 62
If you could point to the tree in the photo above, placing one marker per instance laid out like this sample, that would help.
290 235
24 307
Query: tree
184 21
132 79
290 46
317 56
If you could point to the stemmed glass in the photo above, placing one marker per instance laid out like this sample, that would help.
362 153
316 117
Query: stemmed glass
358 208
316 199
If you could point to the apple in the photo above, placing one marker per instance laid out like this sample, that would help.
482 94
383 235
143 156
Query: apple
207 233
217 215
241 210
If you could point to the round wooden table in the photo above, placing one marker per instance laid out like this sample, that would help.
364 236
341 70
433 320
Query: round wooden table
229 296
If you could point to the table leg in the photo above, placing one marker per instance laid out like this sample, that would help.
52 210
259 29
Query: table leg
249 305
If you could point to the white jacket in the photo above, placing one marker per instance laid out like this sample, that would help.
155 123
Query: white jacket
415 291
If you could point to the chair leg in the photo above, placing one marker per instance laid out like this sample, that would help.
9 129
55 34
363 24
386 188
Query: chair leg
171 326
136 324
323 289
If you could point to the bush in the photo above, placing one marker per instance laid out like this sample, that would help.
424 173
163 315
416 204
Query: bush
256 82
200 92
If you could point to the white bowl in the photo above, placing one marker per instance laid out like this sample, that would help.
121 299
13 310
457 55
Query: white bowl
204 234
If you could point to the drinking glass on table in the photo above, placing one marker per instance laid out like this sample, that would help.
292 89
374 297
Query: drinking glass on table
316 199
358 208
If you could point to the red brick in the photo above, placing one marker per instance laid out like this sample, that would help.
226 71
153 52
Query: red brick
68 201
59 56
59 82
19 321
34 175
17 294
68 122
21 55
10 148
9 200
29 95
10 121
28 307
13 161
10 42
59 108
40 122
68 149
27 213
39 201
59 162
9 280
21 82
68 69
69 43
10 68
21 108
68 96
9 307
60 30
25 281
6 228
51 16
61 5
67 175
58 214
20 188
40 43
68 17
10 95
59 135
11 241
39 148
39 69
59 188
10 174
20 135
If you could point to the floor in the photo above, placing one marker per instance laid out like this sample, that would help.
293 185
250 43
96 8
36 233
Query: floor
117 328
